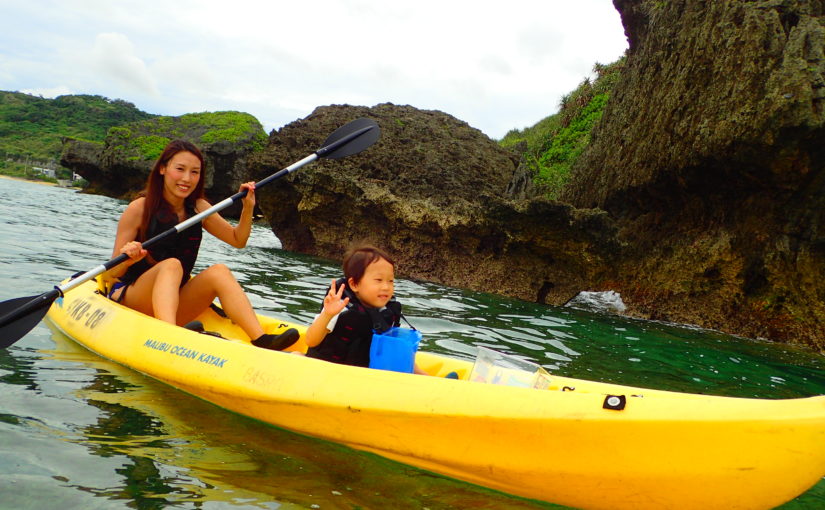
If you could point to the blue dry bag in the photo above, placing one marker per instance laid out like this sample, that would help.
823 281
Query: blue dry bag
394 349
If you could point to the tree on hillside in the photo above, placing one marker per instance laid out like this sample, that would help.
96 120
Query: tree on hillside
33 126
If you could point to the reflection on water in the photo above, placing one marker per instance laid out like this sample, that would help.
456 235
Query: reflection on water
78 429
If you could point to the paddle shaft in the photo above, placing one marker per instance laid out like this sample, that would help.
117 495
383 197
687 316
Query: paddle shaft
340 145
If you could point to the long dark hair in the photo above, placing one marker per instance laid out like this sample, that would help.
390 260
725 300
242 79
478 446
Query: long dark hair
153 192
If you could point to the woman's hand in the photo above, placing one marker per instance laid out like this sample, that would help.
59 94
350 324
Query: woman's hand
249 199
134 250
333 304
238 235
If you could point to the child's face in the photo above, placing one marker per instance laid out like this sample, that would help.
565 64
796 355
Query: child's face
377 285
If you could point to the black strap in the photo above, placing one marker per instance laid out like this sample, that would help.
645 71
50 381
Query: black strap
408 322
378 323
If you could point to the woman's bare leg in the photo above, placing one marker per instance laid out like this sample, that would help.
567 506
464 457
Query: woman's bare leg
156 293
218 281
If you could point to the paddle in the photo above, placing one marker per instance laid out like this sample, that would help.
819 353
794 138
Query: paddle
20 315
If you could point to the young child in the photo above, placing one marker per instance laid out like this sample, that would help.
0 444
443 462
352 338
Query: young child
355 305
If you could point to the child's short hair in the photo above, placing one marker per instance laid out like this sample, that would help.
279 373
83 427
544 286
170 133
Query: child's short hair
357 258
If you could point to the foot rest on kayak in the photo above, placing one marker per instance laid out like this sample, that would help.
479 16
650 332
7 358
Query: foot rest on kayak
197 326
277 342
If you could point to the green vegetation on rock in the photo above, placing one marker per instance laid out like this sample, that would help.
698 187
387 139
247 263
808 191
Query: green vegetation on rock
568 143
552 146
232 127
145 140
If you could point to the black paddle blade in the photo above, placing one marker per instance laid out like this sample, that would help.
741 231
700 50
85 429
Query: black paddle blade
350 139
19 316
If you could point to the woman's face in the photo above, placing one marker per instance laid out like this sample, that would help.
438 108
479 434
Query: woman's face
180 176
377 285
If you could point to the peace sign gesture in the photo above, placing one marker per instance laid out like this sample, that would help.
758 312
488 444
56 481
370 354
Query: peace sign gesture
333 304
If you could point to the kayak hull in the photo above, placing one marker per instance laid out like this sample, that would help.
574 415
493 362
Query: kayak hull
661 450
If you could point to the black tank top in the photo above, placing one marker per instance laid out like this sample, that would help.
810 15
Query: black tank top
183 246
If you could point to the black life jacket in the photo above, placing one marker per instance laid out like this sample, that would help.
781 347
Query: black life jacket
349 341
183 246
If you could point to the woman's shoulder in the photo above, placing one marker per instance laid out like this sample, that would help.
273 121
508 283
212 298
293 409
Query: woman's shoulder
133 214
135 206
137 203
201 205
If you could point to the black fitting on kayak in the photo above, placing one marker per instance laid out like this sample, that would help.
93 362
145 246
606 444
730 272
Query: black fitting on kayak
277 342
614 402
218 310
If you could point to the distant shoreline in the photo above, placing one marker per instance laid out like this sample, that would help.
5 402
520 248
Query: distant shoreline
13 178
45 183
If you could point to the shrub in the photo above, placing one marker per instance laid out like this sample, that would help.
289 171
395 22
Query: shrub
552 146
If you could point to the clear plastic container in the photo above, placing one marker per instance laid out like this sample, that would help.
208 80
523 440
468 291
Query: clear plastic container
493 367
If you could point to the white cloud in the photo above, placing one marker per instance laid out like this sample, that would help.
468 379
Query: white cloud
60 90
188 72
114 56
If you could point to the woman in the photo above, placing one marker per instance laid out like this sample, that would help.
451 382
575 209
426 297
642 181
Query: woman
158 281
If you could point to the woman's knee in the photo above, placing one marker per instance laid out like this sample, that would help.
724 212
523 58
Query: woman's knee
170 266
219 270
218 273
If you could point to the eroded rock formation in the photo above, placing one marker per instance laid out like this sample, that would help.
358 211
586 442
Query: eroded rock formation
710 159
430 191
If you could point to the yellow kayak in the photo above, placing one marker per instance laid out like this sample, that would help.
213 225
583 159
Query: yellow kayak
578 443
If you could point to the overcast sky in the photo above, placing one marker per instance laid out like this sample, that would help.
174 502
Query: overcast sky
496 65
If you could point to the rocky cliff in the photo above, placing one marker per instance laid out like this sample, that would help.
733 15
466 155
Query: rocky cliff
431 192
710 159
120 165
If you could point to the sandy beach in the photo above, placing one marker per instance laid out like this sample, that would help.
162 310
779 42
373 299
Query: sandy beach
45 183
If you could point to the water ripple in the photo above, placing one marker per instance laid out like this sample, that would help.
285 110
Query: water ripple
111 424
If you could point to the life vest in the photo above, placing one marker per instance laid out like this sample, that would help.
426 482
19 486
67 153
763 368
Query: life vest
183 246
349 341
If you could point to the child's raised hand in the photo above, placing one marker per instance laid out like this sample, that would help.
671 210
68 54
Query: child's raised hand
333 304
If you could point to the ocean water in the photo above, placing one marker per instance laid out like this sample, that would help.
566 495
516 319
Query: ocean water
80 432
